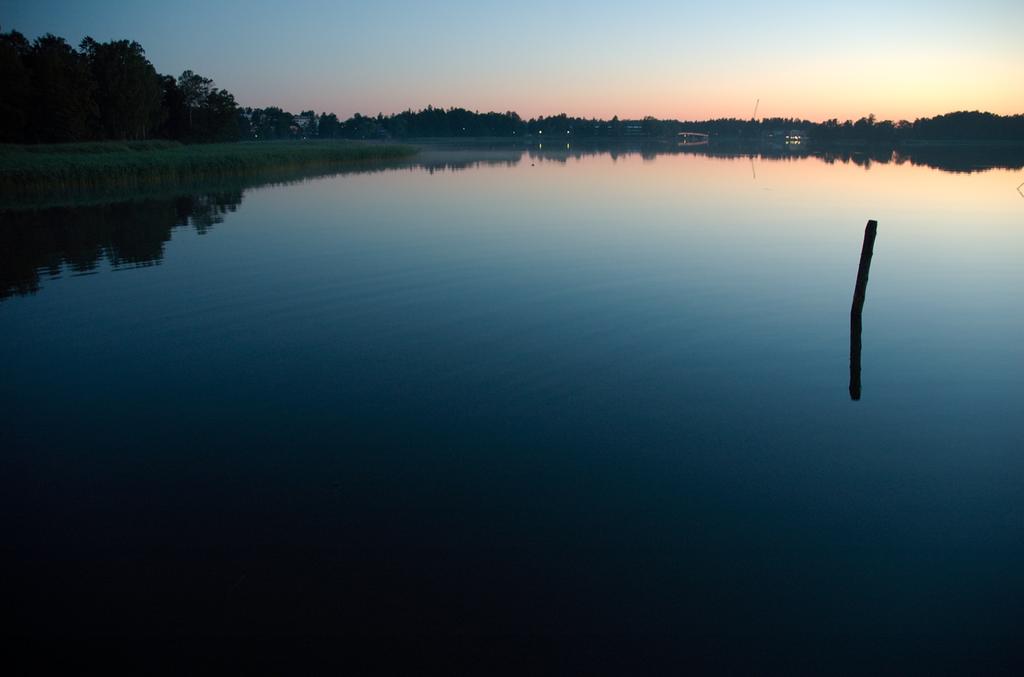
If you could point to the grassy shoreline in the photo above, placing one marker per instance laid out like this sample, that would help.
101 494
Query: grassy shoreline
47 168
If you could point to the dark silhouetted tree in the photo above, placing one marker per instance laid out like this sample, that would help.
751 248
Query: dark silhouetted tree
175 118
329 127
15 86
219 118
61 106
194 90
128 90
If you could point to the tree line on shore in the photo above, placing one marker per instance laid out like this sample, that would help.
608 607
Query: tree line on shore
51 92
458 122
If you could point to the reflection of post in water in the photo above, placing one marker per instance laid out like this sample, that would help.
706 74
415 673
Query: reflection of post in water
858 306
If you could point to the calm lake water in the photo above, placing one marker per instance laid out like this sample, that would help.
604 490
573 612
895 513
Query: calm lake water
588 397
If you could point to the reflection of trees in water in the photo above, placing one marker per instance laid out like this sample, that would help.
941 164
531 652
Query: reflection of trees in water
963 159
40 241
945 158
52 241
458 166
205 211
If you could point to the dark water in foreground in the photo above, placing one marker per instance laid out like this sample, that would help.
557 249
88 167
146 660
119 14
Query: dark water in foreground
601 402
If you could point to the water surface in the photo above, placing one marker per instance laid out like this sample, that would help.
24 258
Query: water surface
551 394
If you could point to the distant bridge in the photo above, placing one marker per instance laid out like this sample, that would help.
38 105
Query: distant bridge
692 138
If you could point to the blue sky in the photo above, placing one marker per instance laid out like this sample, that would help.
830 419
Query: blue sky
809 59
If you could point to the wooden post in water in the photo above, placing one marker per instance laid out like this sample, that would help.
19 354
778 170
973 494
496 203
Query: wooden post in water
858 306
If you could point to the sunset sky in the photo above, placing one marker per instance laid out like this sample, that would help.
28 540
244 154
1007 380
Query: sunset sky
813 60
